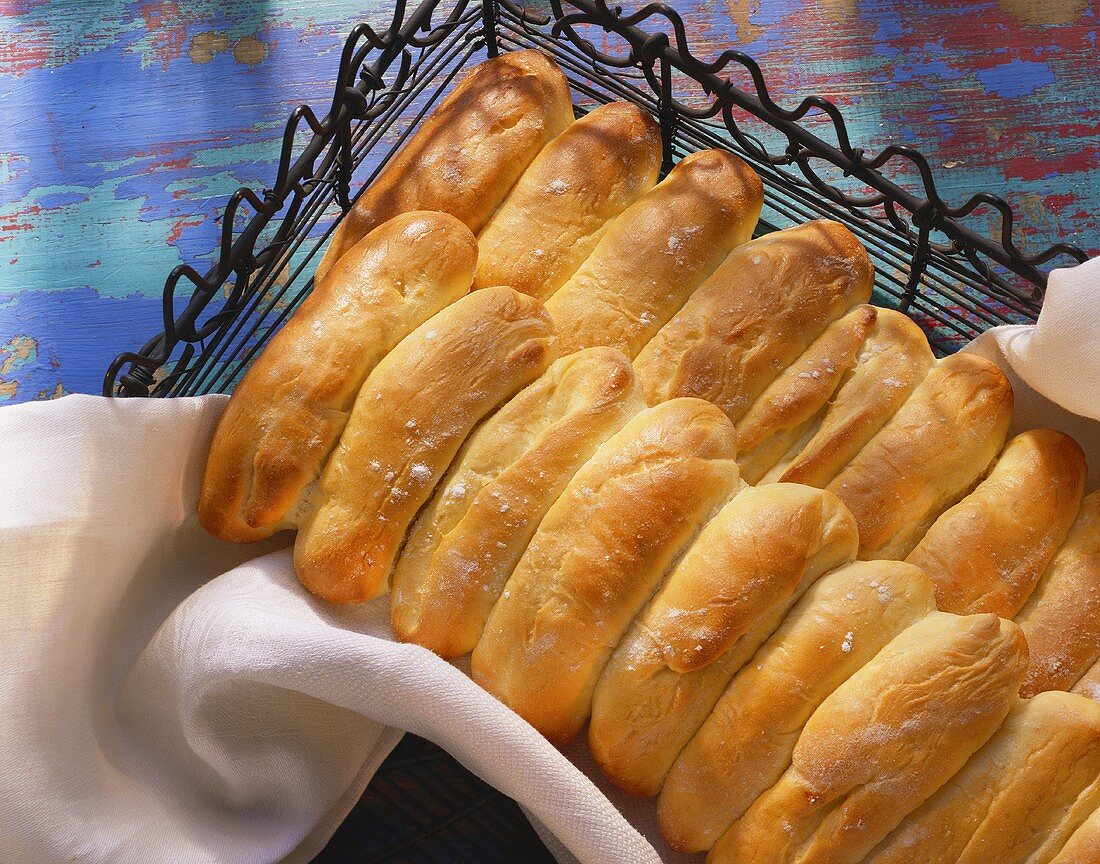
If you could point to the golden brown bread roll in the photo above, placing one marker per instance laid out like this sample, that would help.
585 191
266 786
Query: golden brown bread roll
895 358
883 742
656 253
287 413
597 556
467 542
410 418
1084 846
1018 799
928 456
760 309
1087 685
782 413
721 601
986 553
746 743
561 206
1061 619
469 152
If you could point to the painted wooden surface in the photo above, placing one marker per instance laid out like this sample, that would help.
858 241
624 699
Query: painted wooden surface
127 124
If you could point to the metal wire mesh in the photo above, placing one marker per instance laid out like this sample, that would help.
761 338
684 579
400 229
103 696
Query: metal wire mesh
955 277
424 808
955 269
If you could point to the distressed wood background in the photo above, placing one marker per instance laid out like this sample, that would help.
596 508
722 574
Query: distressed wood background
125 126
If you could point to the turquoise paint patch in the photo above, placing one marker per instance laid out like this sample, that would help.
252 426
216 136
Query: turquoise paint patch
11 166
54 248
239 154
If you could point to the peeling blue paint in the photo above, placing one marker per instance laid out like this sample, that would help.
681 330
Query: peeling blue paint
1016 78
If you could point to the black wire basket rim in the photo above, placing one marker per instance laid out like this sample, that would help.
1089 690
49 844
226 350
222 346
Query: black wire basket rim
361 93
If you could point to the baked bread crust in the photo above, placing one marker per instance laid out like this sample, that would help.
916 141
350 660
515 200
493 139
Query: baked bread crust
1018 799
884 742
598 555
288 411
657 252
928 456
563 203
987 552
411 416
785 410
894 360
746 742
763 306
469 151
1084 846
468 540
1061 618
724 597
1087 685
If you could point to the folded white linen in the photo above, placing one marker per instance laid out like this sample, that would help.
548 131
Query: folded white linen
171 698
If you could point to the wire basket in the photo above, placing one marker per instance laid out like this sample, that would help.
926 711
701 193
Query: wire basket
955 270
422 807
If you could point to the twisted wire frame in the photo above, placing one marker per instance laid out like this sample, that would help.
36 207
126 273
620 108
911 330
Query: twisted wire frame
956 269
939 263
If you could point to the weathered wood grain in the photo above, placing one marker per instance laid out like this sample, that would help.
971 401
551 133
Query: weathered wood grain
127 124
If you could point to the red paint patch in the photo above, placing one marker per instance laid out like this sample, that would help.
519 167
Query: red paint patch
10 224
177 164
169 36
1058 201
1030 167
23 51
177 228
15 8
961 30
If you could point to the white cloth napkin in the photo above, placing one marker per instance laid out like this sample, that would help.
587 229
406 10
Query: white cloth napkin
1054 366
170 698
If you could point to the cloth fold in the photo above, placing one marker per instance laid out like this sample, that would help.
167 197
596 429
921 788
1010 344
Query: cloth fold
171 698
1054 365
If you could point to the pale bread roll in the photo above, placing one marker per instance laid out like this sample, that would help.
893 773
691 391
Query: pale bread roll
1084 846
1061 619
746 743
596 558
469 151
894 360
1087 685
723 598
1018 799
467 542
884 742
784 411
657 252
928 456
287 413
751 319
558 210
986 553
410 418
